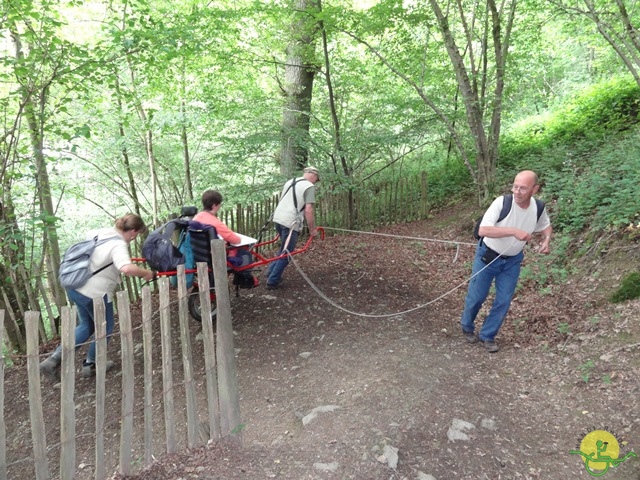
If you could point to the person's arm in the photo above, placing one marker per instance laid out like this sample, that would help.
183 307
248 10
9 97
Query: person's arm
546 239
133 270
227 234
500 232
309 217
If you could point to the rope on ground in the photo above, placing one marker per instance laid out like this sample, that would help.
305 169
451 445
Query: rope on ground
369 315
387 315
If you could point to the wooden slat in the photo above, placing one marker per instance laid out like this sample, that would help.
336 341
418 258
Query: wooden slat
147 343
67 387
187 360
167 365
38 434
126 346
99 317
227 375
209 345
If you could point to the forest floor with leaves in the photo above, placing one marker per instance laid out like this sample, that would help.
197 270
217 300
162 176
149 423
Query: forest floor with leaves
364 374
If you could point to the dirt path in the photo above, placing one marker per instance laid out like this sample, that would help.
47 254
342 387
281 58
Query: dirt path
327 394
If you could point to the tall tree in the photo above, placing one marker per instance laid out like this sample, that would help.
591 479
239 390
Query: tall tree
297 88
475 35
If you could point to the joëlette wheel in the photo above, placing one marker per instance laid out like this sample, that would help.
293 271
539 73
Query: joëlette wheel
194 305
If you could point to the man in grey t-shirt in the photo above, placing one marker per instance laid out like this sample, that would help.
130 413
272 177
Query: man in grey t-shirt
295 206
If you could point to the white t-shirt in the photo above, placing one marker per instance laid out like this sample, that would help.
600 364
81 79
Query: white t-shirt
522 218
114 250
286 213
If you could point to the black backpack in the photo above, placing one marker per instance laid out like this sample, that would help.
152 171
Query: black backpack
507 202
158 249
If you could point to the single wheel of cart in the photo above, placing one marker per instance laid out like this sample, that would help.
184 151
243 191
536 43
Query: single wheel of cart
195 309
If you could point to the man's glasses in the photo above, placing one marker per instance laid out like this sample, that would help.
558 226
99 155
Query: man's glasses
519 189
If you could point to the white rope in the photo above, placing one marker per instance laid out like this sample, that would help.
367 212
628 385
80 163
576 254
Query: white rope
435 240
386 315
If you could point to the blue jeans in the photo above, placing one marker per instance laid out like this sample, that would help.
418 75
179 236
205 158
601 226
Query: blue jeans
86 325
505 272
274 272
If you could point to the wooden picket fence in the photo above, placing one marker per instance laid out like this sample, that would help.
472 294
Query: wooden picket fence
222 400
366 207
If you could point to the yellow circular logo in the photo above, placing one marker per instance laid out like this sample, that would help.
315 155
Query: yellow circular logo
600 450
597 444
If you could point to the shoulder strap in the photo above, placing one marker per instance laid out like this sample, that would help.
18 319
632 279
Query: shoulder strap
295 197
540 207
507 202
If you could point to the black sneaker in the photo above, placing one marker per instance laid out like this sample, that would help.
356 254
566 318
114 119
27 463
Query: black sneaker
490 345
274 286
470 337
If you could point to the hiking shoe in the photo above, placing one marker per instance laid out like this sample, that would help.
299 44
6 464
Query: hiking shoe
470 337
490 345
274 286
51 367
89 369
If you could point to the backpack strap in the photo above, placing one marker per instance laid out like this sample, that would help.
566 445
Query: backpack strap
540 206
292 186
507 202
100 242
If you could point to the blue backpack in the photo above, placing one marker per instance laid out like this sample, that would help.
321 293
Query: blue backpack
184 247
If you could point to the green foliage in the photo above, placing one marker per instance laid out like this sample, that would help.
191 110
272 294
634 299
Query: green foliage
629 288
596 113
586 369
587 154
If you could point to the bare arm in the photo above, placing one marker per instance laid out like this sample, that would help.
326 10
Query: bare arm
132 270
500 232
309 217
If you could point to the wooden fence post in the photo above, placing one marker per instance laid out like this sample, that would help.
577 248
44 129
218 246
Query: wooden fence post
209 344
67 386
227 375
38 434
187 360
147 343
100 338
126 347
167 365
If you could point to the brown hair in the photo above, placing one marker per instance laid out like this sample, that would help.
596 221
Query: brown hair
129 222
211 198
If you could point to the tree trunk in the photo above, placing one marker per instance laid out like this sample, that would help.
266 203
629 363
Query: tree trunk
187 160
474 95
34 101
298 90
